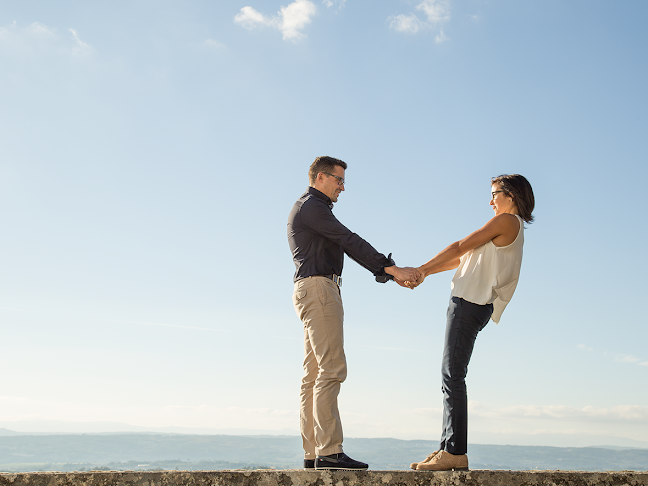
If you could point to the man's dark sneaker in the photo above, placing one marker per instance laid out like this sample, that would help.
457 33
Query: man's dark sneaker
339 462
309 463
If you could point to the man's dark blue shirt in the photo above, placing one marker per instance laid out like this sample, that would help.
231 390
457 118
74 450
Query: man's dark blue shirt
318 241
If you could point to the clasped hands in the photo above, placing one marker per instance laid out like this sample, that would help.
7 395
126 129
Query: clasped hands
408 277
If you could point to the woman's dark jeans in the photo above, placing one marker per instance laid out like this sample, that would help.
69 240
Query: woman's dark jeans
465 320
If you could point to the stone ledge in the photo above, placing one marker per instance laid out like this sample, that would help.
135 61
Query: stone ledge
299 477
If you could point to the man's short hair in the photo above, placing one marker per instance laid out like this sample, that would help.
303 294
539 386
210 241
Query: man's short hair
324 164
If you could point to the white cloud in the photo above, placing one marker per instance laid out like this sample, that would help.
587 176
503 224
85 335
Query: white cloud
214 45
295 17
161 324
290 20
626 358
4 399
435 14
387 348
250 18
40 29
617 357
426 412
406 23
38 39
331 3
630 413
437 11
81 48
16 310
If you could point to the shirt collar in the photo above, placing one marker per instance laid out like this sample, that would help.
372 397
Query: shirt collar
320 195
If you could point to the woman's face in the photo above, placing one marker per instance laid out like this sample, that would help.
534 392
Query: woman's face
501 202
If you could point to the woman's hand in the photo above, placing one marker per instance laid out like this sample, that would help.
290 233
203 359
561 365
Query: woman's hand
412 284
403 283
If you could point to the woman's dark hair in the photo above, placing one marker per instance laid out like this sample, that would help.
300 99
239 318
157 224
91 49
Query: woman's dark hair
517 187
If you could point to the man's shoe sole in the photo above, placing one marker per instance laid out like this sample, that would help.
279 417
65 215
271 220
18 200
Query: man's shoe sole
440 470
341 468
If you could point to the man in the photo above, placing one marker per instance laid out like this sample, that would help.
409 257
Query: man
318 242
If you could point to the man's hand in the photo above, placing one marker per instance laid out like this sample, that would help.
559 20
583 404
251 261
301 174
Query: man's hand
403 283
412 284
403 274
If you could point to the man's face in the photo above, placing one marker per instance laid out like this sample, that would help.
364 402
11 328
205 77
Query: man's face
330 185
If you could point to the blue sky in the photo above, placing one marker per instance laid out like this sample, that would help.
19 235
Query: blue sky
151 152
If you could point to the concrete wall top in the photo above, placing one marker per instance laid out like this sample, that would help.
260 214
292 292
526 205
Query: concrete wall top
299 477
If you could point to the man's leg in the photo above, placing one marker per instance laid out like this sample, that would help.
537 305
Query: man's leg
306 422
327 339
323 318
319 306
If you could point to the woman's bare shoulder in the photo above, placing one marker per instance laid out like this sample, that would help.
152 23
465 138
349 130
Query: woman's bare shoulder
508 227
504 221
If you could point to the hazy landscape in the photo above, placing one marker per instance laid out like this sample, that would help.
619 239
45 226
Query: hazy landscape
151 451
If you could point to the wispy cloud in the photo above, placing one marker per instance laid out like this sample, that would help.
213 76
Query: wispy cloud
387 348
290 20
16 310
626 358
39 29
38 38
629 413
81 49
431 14
7 399
406 23
122 321
333 3
239 410
616 357
214 45
162 324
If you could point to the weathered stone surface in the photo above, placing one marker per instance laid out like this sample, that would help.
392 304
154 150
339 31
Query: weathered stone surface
300 477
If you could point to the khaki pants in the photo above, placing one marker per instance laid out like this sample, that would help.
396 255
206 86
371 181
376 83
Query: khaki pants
318 304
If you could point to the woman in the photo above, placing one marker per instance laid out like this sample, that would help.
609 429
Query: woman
488 266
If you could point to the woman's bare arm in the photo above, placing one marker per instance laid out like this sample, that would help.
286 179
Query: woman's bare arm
505 225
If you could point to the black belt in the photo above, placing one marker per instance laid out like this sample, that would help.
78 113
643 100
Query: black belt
336 278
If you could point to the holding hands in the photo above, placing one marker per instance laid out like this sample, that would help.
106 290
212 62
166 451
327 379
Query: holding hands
408 277
412 284
411 278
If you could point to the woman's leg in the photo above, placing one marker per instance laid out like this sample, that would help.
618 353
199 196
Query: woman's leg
465 320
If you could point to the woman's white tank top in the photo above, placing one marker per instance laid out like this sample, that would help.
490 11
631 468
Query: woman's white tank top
489 274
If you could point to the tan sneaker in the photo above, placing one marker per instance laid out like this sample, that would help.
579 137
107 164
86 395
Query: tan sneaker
444 461
427 459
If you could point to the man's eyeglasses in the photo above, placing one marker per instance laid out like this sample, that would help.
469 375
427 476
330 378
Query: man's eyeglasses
340 180
495 192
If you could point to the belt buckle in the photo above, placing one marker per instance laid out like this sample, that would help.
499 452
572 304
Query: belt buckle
338 280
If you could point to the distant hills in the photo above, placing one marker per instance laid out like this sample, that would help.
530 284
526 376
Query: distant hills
153 451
